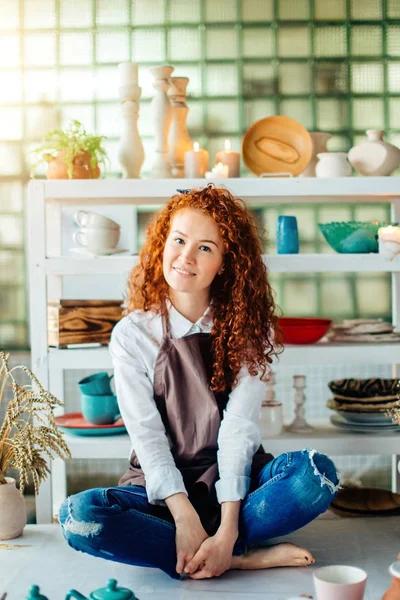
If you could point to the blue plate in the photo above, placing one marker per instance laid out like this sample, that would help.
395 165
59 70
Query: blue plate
93 430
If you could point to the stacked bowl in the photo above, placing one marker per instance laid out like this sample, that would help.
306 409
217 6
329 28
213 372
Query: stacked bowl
365 405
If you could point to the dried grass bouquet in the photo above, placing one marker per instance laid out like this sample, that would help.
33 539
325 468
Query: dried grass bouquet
28 431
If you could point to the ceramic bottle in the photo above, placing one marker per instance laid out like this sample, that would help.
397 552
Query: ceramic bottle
162 115
319 141
178 139
12 511
332 164
393 593
375 157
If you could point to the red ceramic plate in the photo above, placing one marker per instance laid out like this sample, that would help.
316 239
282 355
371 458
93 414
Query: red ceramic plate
303 330
77 421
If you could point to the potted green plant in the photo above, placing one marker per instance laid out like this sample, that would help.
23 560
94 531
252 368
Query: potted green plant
28 434
71 153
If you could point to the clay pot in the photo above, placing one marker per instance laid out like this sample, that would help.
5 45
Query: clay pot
12 511
319 141
375 157
58 168
393 593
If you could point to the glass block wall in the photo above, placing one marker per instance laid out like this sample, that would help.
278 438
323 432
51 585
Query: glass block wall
332 65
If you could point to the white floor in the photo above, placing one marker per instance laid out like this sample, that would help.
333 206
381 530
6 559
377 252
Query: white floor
42 557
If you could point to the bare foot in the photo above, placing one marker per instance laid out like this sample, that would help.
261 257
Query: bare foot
281 555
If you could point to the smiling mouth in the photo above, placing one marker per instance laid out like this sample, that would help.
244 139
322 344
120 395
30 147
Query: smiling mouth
183 272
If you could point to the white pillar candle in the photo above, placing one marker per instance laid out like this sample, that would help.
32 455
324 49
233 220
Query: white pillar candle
230 158
390 233
220 171
128 73
196 162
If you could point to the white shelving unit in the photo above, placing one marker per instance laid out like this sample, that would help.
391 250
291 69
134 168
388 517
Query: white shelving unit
47 267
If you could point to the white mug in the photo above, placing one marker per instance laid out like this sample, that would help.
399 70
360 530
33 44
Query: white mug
97 239
271 421
88 219
340 582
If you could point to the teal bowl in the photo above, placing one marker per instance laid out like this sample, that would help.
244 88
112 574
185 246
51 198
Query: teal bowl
352 237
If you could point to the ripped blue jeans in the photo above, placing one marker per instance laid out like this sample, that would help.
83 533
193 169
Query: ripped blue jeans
117 523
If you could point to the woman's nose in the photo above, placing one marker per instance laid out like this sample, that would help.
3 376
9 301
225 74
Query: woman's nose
187 253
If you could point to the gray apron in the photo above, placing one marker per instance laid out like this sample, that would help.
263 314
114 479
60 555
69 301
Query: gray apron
191 414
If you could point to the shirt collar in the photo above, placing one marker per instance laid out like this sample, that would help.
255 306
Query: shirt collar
181 326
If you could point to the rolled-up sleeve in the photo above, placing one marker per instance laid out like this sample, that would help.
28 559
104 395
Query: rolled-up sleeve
239 437
141 416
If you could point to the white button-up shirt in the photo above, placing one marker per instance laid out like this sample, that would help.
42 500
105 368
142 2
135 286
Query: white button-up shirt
135 343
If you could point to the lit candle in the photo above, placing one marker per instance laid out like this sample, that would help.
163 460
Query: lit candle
196 162
230 158
220 171
128 73
390 233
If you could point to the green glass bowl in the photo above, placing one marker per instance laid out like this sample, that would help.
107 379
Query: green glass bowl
352 237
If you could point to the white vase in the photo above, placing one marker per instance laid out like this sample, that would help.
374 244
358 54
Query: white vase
162 114
332 164
178 140
319 141
12 511
375 156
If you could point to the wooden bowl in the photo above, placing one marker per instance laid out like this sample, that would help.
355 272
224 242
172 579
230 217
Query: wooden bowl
276 145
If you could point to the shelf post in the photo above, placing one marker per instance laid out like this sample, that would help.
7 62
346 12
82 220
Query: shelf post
36 234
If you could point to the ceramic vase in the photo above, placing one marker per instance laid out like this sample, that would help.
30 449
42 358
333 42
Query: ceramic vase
162 115
178 139
393 593
375 157
332 164
130 153
319 141
12 511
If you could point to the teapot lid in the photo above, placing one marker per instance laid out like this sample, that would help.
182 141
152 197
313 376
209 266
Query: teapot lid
113 592
34 593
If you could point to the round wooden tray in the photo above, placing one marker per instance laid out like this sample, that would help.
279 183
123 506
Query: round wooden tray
277 145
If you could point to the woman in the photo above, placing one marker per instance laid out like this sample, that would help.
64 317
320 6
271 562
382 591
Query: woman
191 359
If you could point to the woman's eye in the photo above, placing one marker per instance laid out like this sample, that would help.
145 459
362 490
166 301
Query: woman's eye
206 248
178 240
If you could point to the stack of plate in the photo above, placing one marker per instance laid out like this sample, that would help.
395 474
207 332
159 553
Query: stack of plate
362 405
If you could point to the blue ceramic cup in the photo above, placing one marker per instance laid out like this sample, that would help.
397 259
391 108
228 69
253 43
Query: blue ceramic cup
100 409
97 384
287 235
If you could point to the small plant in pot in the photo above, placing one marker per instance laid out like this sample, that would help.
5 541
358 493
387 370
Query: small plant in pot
28 434
71 153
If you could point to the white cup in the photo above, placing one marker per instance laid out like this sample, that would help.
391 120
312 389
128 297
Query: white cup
340 582
97 240
271 421
91 220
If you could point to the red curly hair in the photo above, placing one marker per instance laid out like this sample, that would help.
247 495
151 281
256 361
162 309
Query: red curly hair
243 307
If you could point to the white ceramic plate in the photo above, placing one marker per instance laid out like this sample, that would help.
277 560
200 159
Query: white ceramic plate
365 428
104 252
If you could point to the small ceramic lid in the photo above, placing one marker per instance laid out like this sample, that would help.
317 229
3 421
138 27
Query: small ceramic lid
394 569
34 593
113 592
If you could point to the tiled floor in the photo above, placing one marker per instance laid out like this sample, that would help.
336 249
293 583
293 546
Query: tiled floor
46 560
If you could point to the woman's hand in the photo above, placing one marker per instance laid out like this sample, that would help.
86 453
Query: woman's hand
189 537
213 558
190 533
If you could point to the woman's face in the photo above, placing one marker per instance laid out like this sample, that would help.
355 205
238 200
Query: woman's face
193 252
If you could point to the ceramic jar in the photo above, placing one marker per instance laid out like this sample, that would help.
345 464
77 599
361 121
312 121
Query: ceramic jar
271 421
375 157
319 141
393 593
332 164
12 511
